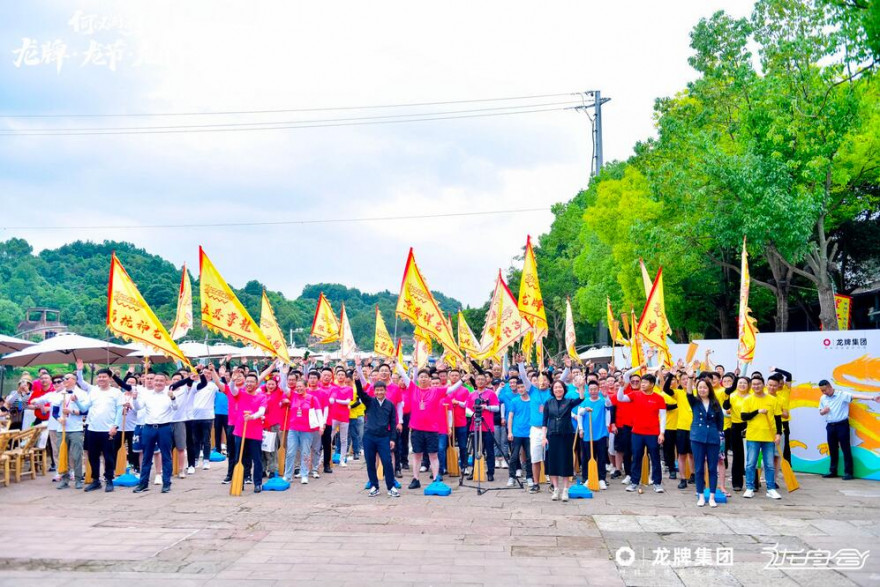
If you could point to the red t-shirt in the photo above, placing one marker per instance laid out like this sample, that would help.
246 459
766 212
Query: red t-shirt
340 410
624 414
37 391
645 411
459 417
274 410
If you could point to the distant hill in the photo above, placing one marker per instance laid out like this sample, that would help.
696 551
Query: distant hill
73 278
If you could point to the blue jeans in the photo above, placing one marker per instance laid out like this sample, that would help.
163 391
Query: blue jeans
461 441
382 446
302 442
355 434
753 447
500 434
442 443
705 455
639 443
150 437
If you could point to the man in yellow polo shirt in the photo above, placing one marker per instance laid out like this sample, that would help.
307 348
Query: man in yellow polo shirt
763 416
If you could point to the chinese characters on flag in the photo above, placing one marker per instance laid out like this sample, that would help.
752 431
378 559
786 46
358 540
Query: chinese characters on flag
183 321
748 330
531 302
130 317
270 328
384 344
325 325
504 323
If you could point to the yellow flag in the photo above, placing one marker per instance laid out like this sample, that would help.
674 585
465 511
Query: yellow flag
646 279
416 305
653 324
748 329
270 328
421 352
466 339
222 312
398 353
348 345
130 317
570 341
635 344
504 323
325 325
183 321
383 343
531 302
614 326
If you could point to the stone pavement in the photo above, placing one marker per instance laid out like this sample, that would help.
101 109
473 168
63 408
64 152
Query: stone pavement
331 532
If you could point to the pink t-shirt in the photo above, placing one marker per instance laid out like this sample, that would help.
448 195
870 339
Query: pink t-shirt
459 417
250 403
340 410
489 399
234 412
424 405
300 405
442 410
274 409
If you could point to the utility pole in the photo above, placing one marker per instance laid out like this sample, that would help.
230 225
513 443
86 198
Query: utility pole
593 100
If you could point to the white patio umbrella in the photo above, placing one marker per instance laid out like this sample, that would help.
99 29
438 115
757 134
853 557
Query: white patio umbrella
10 344
138 352
195 350
66 347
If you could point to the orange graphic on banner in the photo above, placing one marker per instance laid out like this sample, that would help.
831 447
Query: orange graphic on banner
570 341
130 317
222 312
504 323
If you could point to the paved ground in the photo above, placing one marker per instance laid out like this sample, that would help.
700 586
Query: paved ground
330 532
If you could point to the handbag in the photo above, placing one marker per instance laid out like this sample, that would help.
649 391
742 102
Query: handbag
269 438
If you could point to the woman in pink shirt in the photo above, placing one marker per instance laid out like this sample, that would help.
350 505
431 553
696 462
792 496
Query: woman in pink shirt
252 407
340 402
302 423
272 423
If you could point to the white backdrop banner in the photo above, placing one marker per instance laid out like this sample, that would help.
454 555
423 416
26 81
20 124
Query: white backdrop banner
849 359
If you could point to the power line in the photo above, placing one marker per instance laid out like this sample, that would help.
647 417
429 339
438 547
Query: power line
281 111
291 122
281 126
281 222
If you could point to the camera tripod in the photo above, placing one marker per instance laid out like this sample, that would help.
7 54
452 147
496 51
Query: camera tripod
475 448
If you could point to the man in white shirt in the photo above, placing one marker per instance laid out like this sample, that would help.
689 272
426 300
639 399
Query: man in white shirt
159 406
65 414
182 389
203 416
834 407
104 405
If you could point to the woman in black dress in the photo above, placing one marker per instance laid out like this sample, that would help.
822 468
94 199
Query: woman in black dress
559 436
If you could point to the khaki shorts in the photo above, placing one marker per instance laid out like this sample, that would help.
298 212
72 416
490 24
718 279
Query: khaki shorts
536 444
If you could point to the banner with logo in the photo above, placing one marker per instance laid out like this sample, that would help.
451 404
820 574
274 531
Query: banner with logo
850 360
843 306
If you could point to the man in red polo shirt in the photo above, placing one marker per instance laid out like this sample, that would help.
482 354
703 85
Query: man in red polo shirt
648 428
622 428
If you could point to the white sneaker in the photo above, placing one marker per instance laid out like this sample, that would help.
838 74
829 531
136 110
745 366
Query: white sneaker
712 503
632 487
519 473
157 480
206 465
531 482
510 482
374 491
658 489
316 475
701 501
555 495
344 463
773 494
626 481
304 481
393 492
603 485
503 464
422 469
190 470
748 493
181 475
565 494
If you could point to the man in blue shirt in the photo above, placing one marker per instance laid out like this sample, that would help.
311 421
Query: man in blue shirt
596 408
538 395
834 406
518 431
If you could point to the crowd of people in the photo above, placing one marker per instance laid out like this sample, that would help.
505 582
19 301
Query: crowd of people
693 423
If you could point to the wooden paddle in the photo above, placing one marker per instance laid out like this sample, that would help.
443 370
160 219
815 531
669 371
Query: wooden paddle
282 450
451 454
238 472
63 466
646 464
122 454
791 482
592 466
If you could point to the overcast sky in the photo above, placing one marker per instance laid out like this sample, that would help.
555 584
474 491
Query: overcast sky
210 56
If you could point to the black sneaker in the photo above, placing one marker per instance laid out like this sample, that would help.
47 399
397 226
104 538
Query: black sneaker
328 470
414 484
406 466
398 473
248 481
166 488
691 480
672 475
616 474
490 477
682 484
227 481
93 486
258 488
829 475
296 472
534 488
141 489
848 477
109 487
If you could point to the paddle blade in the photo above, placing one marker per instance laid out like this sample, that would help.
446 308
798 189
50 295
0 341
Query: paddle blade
237 484
175 465
452 462
121 459
645 465
282 455
480 470
89 478
62 458
791 482
543 478
593 475
380 470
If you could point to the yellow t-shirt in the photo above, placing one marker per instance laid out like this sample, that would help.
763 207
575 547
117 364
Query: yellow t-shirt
784 397
721 396
736 402
685 415
671 415
762 428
